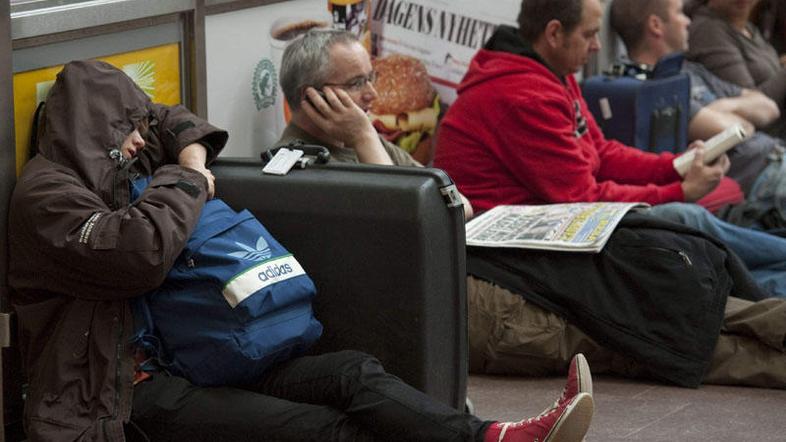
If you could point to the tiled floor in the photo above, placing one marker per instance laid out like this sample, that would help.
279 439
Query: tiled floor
642 411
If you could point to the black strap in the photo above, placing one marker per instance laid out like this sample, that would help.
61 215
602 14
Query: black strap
321 154
32 149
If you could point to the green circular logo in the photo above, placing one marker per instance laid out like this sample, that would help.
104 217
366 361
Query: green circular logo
264 84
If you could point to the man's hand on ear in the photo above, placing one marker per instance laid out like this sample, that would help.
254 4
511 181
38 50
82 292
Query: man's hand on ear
342 120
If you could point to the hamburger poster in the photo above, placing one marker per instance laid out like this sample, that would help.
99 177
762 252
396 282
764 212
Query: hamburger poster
421 51
407 107
443 34
245 48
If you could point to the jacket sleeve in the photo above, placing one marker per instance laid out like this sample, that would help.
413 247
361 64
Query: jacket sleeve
557 166
88 251
174 128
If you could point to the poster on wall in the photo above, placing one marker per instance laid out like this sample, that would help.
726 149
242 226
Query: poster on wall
155 70
352 15
443 34
244 49
422 49
283 30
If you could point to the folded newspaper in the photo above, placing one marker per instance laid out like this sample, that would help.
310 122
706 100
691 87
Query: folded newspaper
577 227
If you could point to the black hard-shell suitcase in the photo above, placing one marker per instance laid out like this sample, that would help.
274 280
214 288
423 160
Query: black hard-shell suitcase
387 253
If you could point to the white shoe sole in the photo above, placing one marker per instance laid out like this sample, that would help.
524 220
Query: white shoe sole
573 424
584 375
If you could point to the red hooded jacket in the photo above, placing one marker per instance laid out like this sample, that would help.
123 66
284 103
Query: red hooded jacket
519 134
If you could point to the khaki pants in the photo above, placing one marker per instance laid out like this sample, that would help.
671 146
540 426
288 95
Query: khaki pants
509 335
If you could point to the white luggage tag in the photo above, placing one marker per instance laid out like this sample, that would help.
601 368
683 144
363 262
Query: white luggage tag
283 161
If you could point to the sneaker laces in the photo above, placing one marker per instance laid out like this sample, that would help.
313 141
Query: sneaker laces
555 405
503 431
506 425
562 397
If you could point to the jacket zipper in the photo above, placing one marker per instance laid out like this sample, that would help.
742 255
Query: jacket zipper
117 156
685 258
120 179
118 366
115 179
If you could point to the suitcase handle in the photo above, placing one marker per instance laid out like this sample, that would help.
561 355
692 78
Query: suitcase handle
321 154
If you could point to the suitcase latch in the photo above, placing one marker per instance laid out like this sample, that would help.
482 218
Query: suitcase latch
451 195
5 330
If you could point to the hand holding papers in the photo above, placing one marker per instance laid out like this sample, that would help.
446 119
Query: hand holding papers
713 148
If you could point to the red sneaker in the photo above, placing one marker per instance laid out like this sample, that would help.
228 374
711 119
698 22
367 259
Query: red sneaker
579 380
566 423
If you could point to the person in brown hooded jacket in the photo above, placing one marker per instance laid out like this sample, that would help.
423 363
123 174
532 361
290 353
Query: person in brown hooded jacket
81 248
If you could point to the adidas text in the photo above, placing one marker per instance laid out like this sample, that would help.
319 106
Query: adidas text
274 272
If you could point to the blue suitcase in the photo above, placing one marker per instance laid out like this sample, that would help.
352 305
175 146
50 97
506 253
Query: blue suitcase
645 109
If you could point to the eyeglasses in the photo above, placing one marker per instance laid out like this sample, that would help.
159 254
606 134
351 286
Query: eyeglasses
356 84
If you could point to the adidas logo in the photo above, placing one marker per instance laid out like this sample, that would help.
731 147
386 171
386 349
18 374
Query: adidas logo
260 253
259 276
274 271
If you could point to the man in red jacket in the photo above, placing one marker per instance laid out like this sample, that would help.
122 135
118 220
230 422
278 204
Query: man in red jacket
520 133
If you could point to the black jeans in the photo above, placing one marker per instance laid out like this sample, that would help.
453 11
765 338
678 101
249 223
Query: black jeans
343 396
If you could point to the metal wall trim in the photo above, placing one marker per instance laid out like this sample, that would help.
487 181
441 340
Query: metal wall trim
46 39
88 14
82 47
220 6
7 152
7 178
195 63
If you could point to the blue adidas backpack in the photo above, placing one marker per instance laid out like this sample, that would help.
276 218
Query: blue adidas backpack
234 303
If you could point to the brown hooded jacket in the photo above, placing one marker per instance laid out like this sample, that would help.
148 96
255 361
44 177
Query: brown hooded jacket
79 249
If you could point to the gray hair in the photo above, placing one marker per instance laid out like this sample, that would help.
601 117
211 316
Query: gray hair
306 62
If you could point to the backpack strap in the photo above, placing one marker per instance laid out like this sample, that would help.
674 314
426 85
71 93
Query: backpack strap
216 218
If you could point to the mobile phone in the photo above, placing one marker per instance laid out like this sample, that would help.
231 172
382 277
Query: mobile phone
320 92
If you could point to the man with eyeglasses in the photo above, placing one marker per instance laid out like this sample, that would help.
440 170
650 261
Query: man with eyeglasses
327 79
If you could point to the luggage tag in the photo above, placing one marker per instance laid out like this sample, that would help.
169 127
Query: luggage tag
309 154
283 161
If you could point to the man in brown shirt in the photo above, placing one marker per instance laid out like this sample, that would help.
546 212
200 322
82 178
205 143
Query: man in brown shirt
327 79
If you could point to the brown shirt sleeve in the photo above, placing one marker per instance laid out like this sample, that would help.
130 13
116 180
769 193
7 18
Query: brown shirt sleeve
398 155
